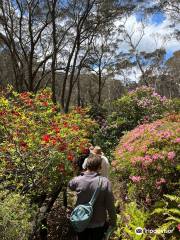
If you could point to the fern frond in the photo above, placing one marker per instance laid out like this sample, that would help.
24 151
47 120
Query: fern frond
164 227
174 211
172 198
159 210
176 219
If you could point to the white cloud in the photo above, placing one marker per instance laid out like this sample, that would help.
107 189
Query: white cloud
155 35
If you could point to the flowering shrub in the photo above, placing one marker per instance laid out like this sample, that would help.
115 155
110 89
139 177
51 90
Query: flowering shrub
38 143
147 159
136 107
139 106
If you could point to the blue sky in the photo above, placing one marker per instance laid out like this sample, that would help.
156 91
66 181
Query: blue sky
156 18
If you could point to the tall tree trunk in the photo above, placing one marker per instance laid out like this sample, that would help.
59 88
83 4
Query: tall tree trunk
53 65
78 93
99 85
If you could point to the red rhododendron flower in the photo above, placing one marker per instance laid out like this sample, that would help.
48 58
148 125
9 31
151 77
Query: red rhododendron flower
63 147
78 109
46 138
61 167
53 140
75 128
70 157
135 179
3 113
29 102
59 139
45 104
65 124
23 144
15 113
56 129
84 149
24 94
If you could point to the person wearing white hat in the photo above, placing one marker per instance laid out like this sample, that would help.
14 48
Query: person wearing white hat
105 163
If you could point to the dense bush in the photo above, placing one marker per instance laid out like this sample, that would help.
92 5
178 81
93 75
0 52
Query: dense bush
148 159
136 107
38 145
139 106
15 216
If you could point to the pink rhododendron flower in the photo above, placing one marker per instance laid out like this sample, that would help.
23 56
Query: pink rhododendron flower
136 159
177 140
178 227
160 182
144 148
147 160
120 151
130 148
155 156
171 155
165 134
136 178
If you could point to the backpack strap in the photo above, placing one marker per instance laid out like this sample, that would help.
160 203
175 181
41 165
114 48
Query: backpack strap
96 192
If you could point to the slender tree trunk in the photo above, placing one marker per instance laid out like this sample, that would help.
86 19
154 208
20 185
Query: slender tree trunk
53 66
72 74
99 85
66 76
78 93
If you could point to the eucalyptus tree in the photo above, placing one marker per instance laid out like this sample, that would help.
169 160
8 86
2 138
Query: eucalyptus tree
24 30
87 18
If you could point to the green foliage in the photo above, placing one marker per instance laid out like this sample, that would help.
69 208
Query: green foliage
175 106
138 106
171 215
15 217
128 220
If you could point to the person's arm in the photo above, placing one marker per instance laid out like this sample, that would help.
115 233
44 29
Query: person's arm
109 201
73 184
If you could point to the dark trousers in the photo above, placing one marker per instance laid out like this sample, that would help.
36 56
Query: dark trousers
92 234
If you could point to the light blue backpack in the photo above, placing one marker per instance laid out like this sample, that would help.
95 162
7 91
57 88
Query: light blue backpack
82 214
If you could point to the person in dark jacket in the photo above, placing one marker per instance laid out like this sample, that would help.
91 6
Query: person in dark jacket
85 185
